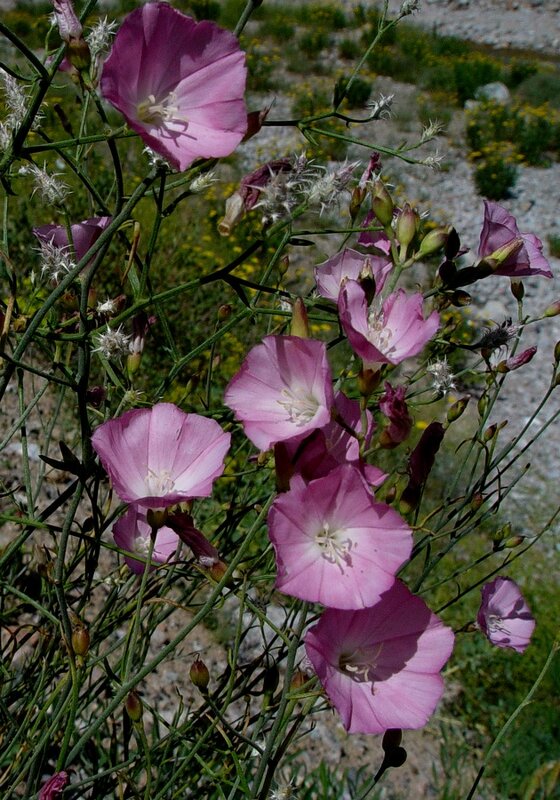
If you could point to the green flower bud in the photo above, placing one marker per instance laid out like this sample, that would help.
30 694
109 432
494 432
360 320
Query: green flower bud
457 409
199 674
133 706
407 226
432 242
299 325
382 204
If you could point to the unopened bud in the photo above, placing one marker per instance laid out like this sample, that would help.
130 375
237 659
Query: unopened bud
382 203
299 325
224 312
552 310
516 361
217 570
482 405
432 242
500 535
299 679
557 352
78 53
133 362
518 289
358 197
456 410
477 501
199 674
133 706
490 432
406 226
80 640
283 265
495 259
271 679
513 541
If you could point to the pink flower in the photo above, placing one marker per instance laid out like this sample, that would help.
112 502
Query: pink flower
504 616
132 533
393 405
500 233
53 787
329 447
332 273
377 239
283 390
160 456
386 333
334 544
179 84
84 235
69 26
380 665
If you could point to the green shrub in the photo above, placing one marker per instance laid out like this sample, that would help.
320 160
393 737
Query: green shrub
473 71
554 245
495 171
543 87
313 43
357 95
349 49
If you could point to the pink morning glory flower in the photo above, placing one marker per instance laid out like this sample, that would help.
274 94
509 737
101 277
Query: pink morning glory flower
380 665
499 231
179 84
132 533
392 405
334 543
504 616
283 390
329 447
331 274
160 456
84 235
385 332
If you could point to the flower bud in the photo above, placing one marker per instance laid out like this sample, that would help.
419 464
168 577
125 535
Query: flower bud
224 312
217 570
134 707
518 289
358 197
80 640
283 265
516 361
406 226
299 679
490 432
299 325
557 352
382 203
432 242
391 738
457 409
495 259
513 541
477 501
482 405
199 674
552 310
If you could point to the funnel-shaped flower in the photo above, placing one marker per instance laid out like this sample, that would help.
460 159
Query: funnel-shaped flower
283 390
84 235
500 233
133 532
504 616
380 665
160 456
349 264
385 333
179 84
334 544
332 445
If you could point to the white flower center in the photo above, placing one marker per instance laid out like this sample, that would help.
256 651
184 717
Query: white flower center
142 545
159 483
336 550
378 333
360 665
301 408
495 624
158 112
